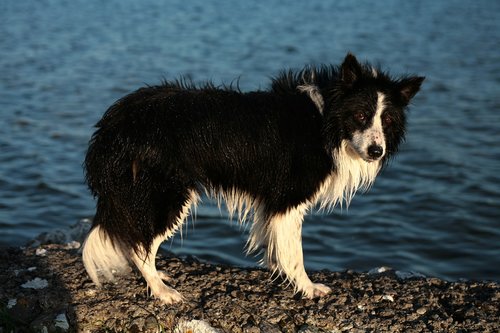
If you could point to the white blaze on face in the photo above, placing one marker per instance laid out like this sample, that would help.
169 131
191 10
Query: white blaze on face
376 131
374 135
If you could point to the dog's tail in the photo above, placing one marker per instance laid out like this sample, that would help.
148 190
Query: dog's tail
103 257
107 166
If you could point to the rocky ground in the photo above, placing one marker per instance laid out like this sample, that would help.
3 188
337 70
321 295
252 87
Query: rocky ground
45 289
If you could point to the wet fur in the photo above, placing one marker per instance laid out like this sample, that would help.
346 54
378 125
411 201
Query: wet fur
270 155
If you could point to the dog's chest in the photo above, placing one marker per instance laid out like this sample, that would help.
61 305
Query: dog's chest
351 174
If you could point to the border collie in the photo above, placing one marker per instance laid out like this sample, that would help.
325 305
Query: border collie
313 138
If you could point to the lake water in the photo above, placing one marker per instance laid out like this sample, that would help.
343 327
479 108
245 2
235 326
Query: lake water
435 210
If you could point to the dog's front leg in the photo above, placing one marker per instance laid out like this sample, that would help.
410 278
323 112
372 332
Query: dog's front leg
284 250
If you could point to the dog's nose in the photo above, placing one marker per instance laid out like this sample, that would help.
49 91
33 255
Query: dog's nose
375 151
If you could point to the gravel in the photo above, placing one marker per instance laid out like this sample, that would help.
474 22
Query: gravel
219 298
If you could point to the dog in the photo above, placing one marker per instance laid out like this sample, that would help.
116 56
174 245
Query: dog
312 139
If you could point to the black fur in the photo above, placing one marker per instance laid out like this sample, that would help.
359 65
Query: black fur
156 144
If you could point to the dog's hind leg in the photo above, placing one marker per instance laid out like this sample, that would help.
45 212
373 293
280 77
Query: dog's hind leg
282 233
144 259
145 262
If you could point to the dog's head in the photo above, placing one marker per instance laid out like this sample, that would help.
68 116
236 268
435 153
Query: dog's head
364 107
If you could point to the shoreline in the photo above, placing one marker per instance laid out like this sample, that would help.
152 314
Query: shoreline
45 288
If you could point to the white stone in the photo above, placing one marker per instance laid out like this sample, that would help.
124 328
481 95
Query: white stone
62 322
12 302
36 283
195 326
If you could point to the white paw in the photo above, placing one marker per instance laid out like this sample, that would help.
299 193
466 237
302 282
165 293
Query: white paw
166 294
170 297
316 290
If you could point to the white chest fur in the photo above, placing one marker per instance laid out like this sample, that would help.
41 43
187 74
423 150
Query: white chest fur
351 174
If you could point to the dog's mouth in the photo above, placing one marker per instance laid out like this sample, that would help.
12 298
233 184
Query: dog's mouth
370 160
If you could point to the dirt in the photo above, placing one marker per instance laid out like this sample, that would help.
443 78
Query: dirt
222 298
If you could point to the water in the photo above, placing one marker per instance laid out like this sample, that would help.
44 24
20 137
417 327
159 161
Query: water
435 210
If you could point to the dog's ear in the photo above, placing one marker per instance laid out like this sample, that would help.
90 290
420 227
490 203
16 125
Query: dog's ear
350 70
408 87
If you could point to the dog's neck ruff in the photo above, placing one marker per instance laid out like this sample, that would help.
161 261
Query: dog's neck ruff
351 174
314 94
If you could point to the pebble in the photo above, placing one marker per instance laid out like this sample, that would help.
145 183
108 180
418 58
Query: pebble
36 283
62 322
379 270
41 252
195 326
12 302
421 310
309 329
151 324
73 245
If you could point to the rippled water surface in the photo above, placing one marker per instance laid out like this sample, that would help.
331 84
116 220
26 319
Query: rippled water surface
434 210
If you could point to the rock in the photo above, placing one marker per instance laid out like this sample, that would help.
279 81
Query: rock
421 310
195 326
36 283
61 322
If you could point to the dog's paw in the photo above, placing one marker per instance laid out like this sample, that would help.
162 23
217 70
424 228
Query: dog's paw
167 295
316 290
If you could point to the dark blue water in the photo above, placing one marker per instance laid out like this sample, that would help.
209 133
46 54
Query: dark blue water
435 210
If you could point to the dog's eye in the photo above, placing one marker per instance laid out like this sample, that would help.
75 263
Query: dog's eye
360 117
